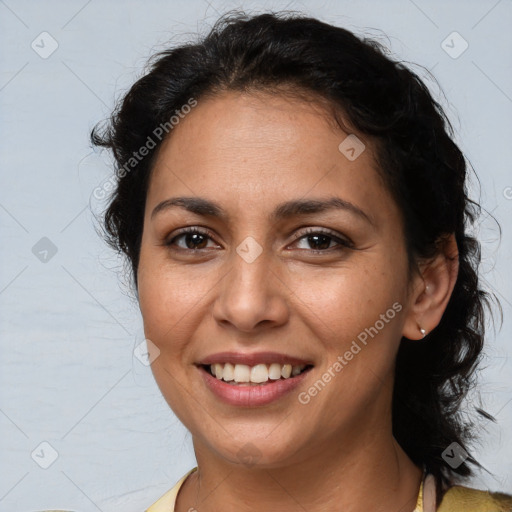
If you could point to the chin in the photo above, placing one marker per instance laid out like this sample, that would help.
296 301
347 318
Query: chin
259 452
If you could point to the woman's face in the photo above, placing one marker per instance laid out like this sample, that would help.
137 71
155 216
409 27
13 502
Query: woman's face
268 282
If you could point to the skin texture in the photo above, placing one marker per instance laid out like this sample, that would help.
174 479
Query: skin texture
250 152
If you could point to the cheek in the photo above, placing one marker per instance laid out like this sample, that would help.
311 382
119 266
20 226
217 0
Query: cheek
344 301
354 318
171 300
161 301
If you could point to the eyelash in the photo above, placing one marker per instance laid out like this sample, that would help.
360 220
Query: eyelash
343 244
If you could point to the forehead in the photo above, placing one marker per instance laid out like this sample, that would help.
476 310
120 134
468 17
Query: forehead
249 149
238 122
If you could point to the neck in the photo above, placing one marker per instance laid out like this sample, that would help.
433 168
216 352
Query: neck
371 472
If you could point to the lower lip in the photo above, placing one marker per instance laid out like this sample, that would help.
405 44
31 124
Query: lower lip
251 395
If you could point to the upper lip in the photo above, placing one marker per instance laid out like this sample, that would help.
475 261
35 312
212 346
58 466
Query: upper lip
254 358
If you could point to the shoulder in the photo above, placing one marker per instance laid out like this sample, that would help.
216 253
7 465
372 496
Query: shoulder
465 499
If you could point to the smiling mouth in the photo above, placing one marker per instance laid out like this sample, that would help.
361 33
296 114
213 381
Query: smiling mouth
260 374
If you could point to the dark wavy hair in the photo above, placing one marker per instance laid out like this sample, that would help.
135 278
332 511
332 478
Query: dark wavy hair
419 162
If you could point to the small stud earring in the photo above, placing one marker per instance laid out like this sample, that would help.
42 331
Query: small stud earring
423 332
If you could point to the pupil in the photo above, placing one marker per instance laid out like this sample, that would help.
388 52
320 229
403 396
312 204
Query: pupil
195 237
325 239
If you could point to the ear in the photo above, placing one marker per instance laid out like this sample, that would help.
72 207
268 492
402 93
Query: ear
432 289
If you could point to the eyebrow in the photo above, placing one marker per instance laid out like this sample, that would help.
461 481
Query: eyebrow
297 207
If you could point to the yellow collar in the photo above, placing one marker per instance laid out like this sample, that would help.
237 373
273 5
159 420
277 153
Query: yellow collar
455 499
167 502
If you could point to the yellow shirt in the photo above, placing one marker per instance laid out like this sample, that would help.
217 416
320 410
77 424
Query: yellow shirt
456 499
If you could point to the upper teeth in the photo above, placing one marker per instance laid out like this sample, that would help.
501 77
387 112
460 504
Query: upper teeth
257 374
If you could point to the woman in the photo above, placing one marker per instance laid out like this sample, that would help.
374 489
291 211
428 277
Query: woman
294 212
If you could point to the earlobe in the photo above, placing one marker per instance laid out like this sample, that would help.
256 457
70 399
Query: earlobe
435 285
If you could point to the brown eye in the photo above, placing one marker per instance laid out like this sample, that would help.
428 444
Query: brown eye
320 241
194 239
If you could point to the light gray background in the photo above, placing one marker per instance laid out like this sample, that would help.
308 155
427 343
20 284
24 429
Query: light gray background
68 325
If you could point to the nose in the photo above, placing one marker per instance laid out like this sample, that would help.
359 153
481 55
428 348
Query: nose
252 295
